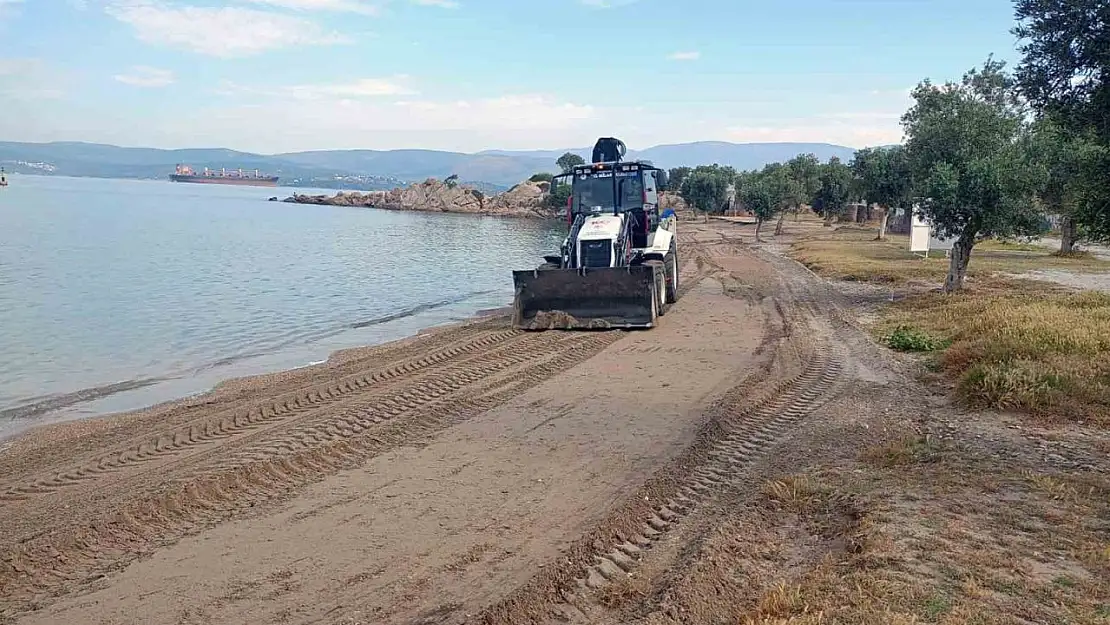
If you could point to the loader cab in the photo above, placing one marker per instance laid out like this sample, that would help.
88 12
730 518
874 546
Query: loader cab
628 189
613 187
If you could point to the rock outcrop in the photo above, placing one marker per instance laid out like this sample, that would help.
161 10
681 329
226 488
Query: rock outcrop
524 200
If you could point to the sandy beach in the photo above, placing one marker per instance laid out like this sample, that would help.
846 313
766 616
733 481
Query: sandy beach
470 474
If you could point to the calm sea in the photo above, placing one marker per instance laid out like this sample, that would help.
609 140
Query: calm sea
118 294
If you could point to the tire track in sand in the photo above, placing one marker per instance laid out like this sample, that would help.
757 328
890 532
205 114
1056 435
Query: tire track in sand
741 428
323 427
105 533
747 436
228 423
242 395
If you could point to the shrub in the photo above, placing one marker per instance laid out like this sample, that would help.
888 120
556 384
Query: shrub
906 338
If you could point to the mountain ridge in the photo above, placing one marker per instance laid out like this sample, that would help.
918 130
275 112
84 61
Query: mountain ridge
369 169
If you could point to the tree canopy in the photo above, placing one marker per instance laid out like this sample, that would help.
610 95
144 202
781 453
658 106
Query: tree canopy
569 161
836 182
1065 46
1065 51
705 188
675 176
884 178
806 170
884 175
968 148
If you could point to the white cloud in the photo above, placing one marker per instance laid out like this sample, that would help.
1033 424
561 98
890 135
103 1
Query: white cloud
510 121
691 55
363 87
854 133
348 6
221 32
145 76
358 88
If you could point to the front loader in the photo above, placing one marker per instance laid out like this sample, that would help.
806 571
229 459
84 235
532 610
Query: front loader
618 266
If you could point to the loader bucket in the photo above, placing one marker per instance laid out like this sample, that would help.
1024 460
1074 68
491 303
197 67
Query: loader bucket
596 298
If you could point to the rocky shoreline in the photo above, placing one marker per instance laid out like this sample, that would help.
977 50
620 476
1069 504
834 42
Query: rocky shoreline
527 199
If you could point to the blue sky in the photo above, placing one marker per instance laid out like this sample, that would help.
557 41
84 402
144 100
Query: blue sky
284 75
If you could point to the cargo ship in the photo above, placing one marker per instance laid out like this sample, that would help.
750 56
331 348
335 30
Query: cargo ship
184 173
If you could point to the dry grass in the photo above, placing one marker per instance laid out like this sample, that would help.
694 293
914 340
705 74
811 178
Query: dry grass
851 253
793 491
1007 344
955 543
1045 353
908 450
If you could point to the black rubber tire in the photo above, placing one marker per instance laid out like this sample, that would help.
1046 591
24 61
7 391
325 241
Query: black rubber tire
660 297
672 268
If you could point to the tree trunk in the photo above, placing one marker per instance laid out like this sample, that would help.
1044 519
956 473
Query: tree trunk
1068 235
828 218
959 259
758 227
882 224
778 226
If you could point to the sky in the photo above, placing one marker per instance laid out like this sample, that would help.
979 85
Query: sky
276 76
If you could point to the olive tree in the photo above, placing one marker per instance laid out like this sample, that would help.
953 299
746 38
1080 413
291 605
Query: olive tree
569 161
805 169
705 189
675 176
968 148
758 196
835 188
1068 158
884 179
1063 72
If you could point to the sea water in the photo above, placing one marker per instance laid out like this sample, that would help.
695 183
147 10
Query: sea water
116 294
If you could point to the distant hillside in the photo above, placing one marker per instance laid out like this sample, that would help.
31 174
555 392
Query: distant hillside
108 161
371 169
739 155
417 165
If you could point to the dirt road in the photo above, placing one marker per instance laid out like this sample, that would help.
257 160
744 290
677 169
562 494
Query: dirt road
471 474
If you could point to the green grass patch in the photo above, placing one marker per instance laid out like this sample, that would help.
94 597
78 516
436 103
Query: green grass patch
906 338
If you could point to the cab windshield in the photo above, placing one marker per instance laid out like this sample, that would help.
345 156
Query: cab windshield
596 194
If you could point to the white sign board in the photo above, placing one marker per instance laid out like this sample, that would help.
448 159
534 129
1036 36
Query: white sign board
920 234
922 238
